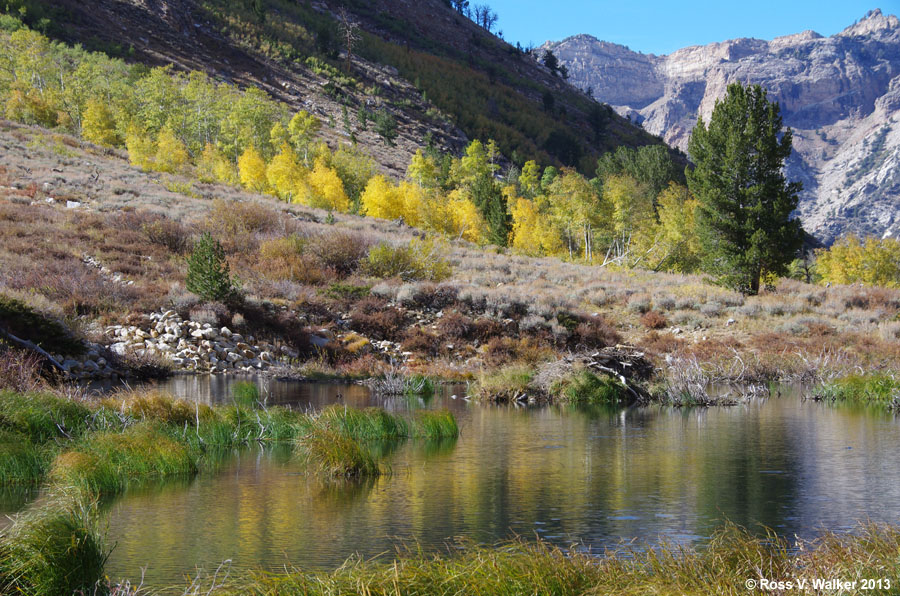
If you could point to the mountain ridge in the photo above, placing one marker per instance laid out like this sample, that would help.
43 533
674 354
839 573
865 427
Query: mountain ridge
840 95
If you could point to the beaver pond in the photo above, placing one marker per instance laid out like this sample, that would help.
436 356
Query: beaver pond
587 476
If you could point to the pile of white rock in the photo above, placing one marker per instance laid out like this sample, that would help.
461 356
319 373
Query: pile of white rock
194 346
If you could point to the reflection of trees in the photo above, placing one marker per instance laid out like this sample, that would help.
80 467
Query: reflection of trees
584 473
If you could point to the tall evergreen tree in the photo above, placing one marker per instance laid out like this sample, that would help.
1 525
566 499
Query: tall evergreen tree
745 202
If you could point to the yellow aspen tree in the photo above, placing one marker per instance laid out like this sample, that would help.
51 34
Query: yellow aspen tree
413 203
141 149
680 245
423 170
466 219
285 174
379 199
171 154
279 135
324 189
252 170
533 232
302 129
530 179
98 125
875 261
214 166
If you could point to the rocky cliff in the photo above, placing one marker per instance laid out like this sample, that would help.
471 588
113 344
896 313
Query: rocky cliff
840 95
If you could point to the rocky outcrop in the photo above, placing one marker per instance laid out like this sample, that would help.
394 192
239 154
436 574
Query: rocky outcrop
839 94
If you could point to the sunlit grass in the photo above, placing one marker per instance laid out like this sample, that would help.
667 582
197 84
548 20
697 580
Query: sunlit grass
367 424
436 424
585 387
503 385
106 462
874 389
331 453
42 416
723 566
56 549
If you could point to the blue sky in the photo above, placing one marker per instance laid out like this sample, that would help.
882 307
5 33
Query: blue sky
662 26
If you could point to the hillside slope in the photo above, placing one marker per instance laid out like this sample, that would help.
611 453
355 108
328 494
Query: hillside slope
441 76
840 94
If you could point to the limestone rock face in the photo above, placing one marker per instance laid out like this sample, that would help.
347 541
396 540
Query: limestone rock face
839 94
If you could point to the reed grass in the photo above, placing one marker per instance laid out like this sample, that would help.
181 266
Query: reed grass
21 461
54 550
245 394
42 416
436 424
723 566
584 387
880 390
331 453
367 424
155 405
106 462
505 384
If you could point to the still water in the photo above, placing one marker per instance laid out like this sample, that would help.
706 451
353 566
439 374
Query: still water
592 477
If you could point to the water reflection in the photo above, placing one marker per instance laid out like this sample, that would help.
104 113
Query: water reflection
589 475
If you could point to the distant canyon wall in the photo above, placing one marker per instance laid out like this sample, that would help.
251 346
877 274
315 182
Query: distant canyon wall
839 94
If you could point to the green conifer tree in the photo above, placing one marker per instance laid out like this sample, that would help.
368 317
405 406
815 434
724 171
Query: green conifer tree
208 272
745 203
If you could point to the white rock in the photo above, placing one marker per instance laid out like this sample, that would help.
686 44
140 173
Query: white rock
233 357
198 333
226 332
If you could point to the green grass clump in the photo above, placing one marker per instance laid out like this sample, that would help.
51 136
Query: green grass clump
157 406
56 549
874 389
439 424
368 424
505 384
42 416
106 462
21 461
587 388
334 454
245 394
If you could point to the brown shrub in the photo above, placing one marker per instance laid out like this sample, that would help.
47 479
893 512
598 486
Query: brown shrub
594 333
654 320
456 326
214 313
656 343
20 371
374 318
283 259
487 329
169 234
526 350
438 296
417 340
339 251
